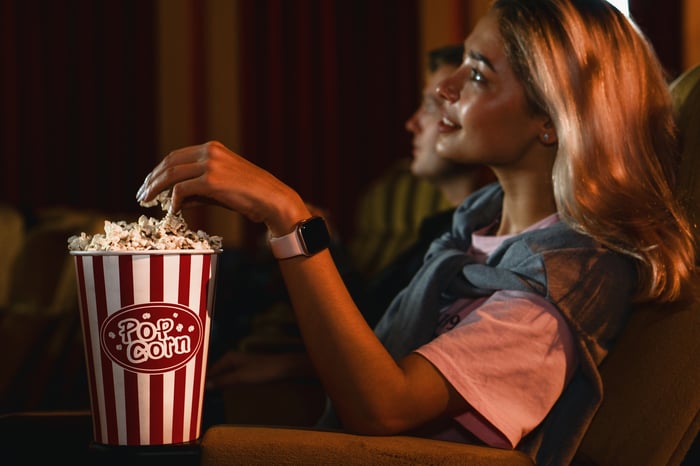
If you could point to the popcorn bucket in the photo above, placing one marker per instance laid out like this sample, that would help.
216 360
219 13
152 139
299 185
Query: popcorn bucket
146 318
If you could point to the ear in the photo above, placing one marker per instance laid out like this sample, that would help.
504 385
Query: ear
548 134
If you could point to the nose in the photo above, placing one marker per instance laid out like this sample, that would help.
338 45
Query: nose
448 89
412 124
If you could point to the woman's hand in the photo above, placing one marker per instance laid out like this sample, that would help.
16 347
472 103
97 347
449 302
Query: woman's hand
211 173
236 367
346 354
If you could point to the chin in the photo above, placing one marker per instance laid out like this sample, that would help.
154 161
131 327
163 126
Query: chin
417 170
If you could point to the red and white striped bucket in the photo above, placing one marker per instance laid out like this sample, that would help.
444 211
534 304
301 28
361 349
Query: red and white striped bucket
146 318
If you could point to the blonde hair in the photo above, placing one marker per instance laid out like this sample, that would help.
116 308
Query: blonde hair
592 71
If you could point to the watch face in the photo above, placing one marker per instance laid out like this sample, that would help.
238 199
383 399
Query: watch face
314 235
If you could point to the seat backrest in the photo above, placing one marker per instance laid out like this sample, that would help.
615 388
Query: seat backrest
651 409
43 274
11 239
686 98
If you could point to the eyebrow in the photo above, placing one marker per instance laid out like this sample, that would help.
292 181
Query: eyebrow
479 57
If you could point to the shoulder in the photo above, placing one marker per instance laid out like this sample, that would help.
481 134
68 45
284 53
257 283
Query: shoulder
578 272
592 285
478 210
485 196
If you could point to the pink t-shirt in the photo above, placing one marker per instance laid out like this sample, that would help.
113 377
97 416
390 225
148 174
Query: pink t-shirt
509 355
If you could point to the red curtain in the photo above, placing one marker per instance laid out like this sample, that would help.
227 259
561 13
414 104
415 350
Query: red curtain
326 88
78 118
662 24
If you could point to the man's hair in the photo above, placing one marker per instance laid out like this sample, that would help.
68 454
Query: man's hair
447 55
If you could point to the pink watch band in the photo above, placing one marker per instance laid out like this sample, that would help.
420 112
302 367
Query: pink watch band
287 246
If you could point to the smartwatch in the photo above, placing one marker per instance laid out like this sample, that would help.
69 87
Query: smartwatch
308 237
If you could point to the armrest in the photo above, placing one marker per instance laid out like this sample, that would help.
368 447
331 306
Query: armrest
28 438
254 445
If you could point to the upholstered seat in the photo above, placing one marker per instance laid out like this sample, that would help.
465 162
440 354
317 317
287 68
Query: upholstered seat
12 239
40 332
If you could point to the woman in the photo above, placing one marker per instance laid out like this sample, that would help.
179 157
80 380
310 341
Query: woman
498 337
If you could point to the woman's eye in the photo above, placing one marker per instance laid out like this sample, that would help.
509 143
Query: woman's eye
476 75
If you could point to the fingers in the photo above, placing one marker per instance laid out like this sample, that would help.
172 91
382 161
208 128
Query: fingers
229 360
141 194
236 367
181 178
211 173
179 166
233 368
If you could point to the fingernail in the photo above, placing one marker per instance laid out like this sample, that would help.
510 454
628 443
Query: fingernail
141 193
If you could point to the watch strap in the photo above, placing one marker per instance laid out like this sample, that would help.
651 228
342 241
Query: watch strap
287 246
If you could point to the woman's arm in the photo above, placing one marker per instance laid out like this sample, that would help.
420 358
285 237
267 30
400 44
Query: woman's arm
371 392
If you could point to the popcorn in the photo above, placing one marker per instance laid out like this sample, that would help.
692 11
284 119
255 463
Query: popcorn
169 233
163 199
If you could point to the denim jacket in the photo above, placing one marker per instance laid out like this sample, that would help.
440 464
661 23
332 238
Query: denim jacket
591 286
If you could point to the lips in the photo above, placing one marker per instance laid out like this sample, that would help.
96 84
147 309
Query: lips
446 125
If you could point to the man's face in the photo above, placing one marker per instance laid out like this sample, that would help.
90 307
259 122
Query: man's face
424 126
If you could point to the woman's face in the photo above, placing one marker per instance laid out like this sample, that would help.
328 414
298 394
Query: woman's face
486 116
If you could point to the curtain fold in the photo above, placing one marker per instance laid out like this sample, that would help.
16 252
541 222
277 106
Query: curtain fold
662 24
326 86
325 89
78 103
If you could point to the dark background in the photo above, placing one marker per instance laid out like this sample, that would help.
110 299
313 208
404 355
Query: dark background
326 87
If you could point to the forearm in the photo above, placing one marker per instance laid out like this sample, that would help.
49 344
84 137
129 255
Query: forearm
371 392
368 388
